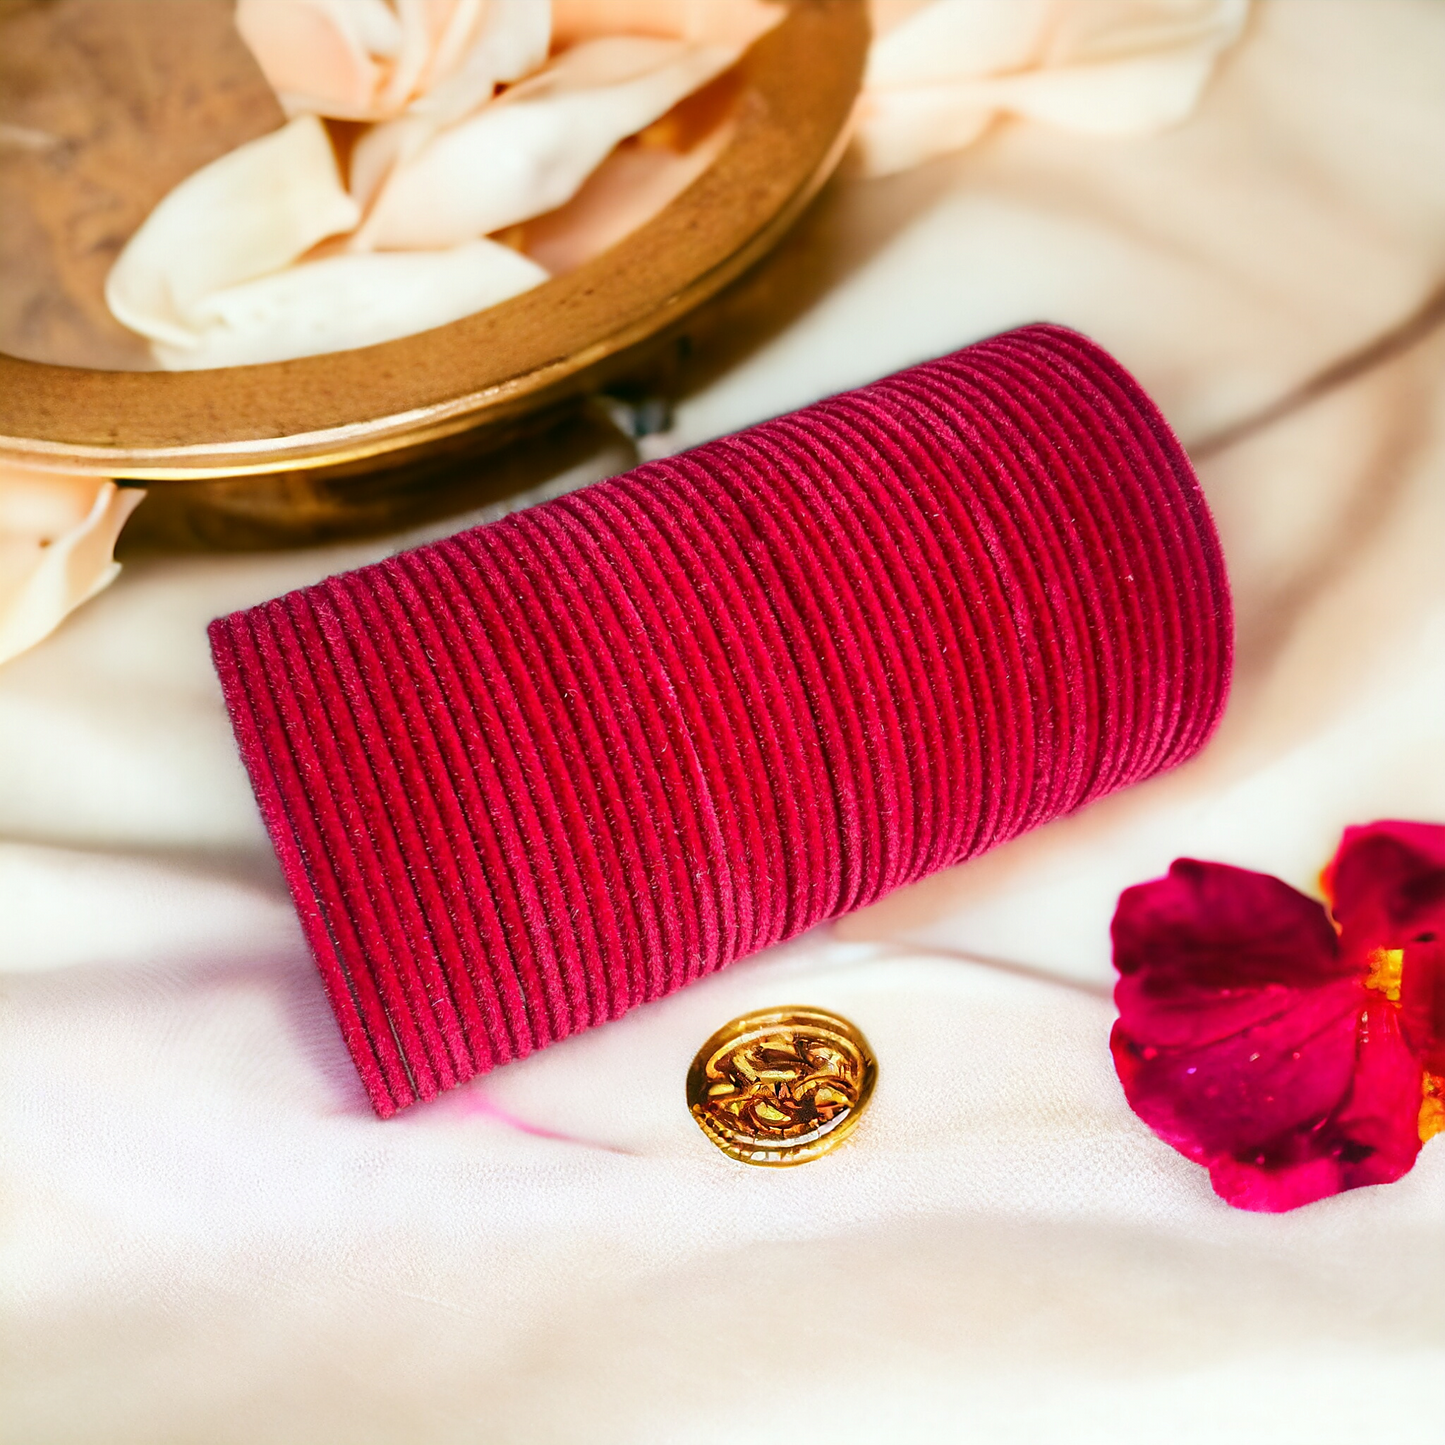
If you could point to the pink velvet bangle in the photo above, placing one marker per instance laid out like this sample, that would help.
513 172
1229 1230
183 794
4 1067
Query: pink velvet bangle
528 777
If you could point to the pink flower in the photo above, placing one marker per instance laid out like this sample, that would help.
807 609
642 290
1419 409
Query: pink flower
1295 1050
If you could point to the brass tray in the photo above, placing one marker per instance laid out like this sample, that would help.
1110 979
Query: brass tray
295 425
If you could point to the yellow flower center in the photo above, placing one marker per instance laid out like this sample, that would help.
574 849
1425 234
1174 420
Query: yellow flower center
1386 966
1432 1107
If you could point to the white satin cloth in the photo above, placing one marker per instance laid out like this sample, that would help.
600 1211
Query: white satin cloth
207 1239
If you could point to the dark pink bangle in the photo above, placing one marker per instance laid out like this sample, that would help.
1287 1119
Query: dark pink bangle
528 777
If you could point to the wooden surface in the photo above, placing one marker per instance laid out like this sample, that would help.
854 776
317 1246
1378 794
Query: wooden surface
101 114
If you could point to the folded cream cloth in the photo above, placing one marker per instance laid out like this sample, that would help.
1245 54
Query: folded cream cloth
941 71
270 252
210 277
527 152
57 537
208 1239
215 275
370 60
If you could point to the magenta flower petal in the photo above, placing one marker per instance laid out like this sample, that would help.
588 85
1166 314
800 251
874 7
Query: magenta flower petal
1210 950
1248 1041
1371 1136
1388 887
1252 1092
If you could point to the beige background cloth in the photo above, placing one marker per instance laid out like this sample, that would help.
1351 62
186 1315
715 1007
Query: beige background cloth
206 1238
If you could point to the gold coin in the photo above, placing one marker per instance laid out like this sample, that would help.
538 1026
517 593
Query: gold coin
781 1086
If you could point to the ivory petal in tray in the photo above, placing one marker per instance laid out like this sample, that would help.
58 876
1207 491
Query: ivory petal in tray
296 441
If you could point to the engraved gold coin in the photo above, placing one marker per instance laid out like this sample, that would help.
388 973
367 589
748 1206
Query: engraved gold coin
782 1086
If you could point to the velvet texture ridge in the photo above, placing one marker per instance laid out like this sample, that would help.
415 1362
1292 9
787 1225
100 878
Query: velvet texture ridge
525 778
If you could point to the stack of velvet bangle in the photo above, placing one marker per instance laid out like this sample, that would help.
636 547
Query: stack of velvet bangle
530 776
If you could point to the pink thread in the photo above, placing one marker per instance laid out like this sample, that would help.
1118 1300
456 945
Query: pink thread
526 778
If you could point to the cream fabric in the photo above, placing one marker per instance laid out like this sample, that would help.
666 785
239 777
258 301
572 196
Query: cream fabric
940 73
206 1238
213 278
253 258
57 535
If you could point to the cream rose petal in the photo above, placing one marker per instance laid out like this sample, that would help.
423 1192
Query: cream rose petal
511 41
627 190
251 212
345 301
530 150
370 60
57 537
1105 67
322 57
510 44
